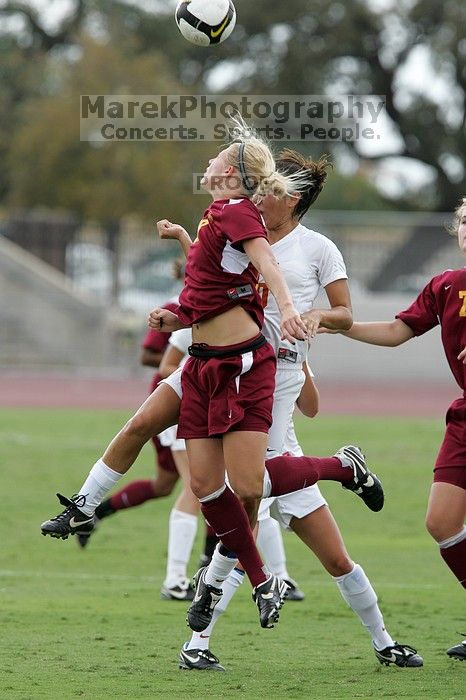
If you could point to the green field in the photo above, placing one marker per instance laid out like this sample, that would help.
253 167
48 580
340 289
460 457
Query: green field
90 624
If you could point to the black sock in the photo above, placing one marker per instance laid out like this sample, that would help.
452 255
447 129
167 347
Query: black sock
105 509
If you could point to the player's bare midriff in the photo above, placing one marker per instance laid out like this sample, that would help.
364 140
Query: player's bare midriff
231 327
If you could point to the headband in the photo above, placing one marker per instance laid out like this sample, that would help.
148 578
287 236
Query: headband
248 183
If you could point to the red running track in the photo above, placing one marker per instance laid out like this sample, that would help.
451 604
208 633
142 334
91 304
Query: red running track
428 400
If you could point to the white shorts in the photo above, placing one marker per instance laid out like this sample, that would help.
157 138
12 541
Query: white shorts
174 381
297 504
168 439
288 384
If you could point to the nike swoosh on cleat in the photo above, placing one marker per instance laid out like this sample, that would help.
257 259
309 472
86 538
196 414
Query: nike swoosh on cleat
192 659
78 523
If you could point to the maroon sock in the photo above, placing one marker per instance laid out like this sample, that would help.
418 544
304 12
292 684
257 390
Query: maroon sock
455 558
227 516
133 494
209 530
289 474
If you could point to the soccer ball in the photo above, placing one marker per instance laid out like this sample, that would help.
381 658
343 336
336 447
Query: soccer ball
205 22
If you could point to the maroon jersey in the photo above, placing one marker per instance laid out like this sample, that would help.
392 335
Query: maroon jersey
443 301
219 274
157 342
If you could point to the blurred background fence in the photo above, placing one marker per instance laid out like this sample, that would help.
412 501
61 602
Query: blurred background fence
76 295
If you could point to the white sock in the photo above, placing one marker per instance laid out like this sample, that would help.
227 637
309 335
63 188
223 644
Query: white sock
219 568
357 591
100 481
182 528
270 542
200 640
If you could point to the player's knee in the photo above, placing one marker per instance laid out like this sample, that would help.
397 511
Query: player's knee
163 487
441 528
248 489
139 427
339 565
203 485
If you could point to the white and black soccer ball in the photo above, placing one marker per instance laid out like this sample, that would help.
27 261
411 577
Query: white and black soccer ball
205 22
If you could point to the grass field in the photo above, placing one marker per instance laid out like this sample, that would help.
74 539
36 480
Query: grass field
90 624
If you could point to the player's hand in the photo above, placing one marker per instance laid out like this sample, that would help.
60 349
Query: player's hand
312 321
292 325
462 356
163 320
169 231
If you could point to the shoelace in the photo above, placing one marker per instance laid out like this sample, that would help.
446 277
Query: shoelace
404 649
207 654
76 501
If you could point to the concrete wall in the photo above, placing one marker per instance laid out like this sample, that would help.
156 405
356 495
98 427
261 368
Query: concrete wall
336 357
42 319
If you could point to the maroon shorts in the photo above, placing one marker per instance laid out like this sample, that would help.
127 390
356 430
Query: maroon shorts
450 465
164 456
228 393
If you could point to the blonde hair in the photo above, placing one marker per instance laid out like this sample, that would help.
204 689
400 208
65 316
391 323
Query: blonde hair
453 228
253 157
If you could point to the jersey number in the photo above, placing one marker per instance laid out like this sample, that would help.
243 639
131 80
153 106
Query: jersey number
264 293
462 295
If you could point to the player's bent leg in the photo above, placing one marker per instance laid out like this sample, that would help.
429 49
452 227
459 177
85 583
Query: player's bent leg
319 531
321 534
446 513
158 412
285 474
446 510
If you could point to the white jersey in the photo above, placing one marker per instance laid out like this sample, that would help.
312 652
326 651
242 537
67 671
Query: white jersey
308 261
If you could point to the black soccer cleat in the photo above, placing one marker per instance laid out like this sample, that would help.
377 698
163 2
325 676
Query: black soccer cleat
83 538
205 599
199 660
364 483
458 651
182 590
294 591
269 598
71 521
401 655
